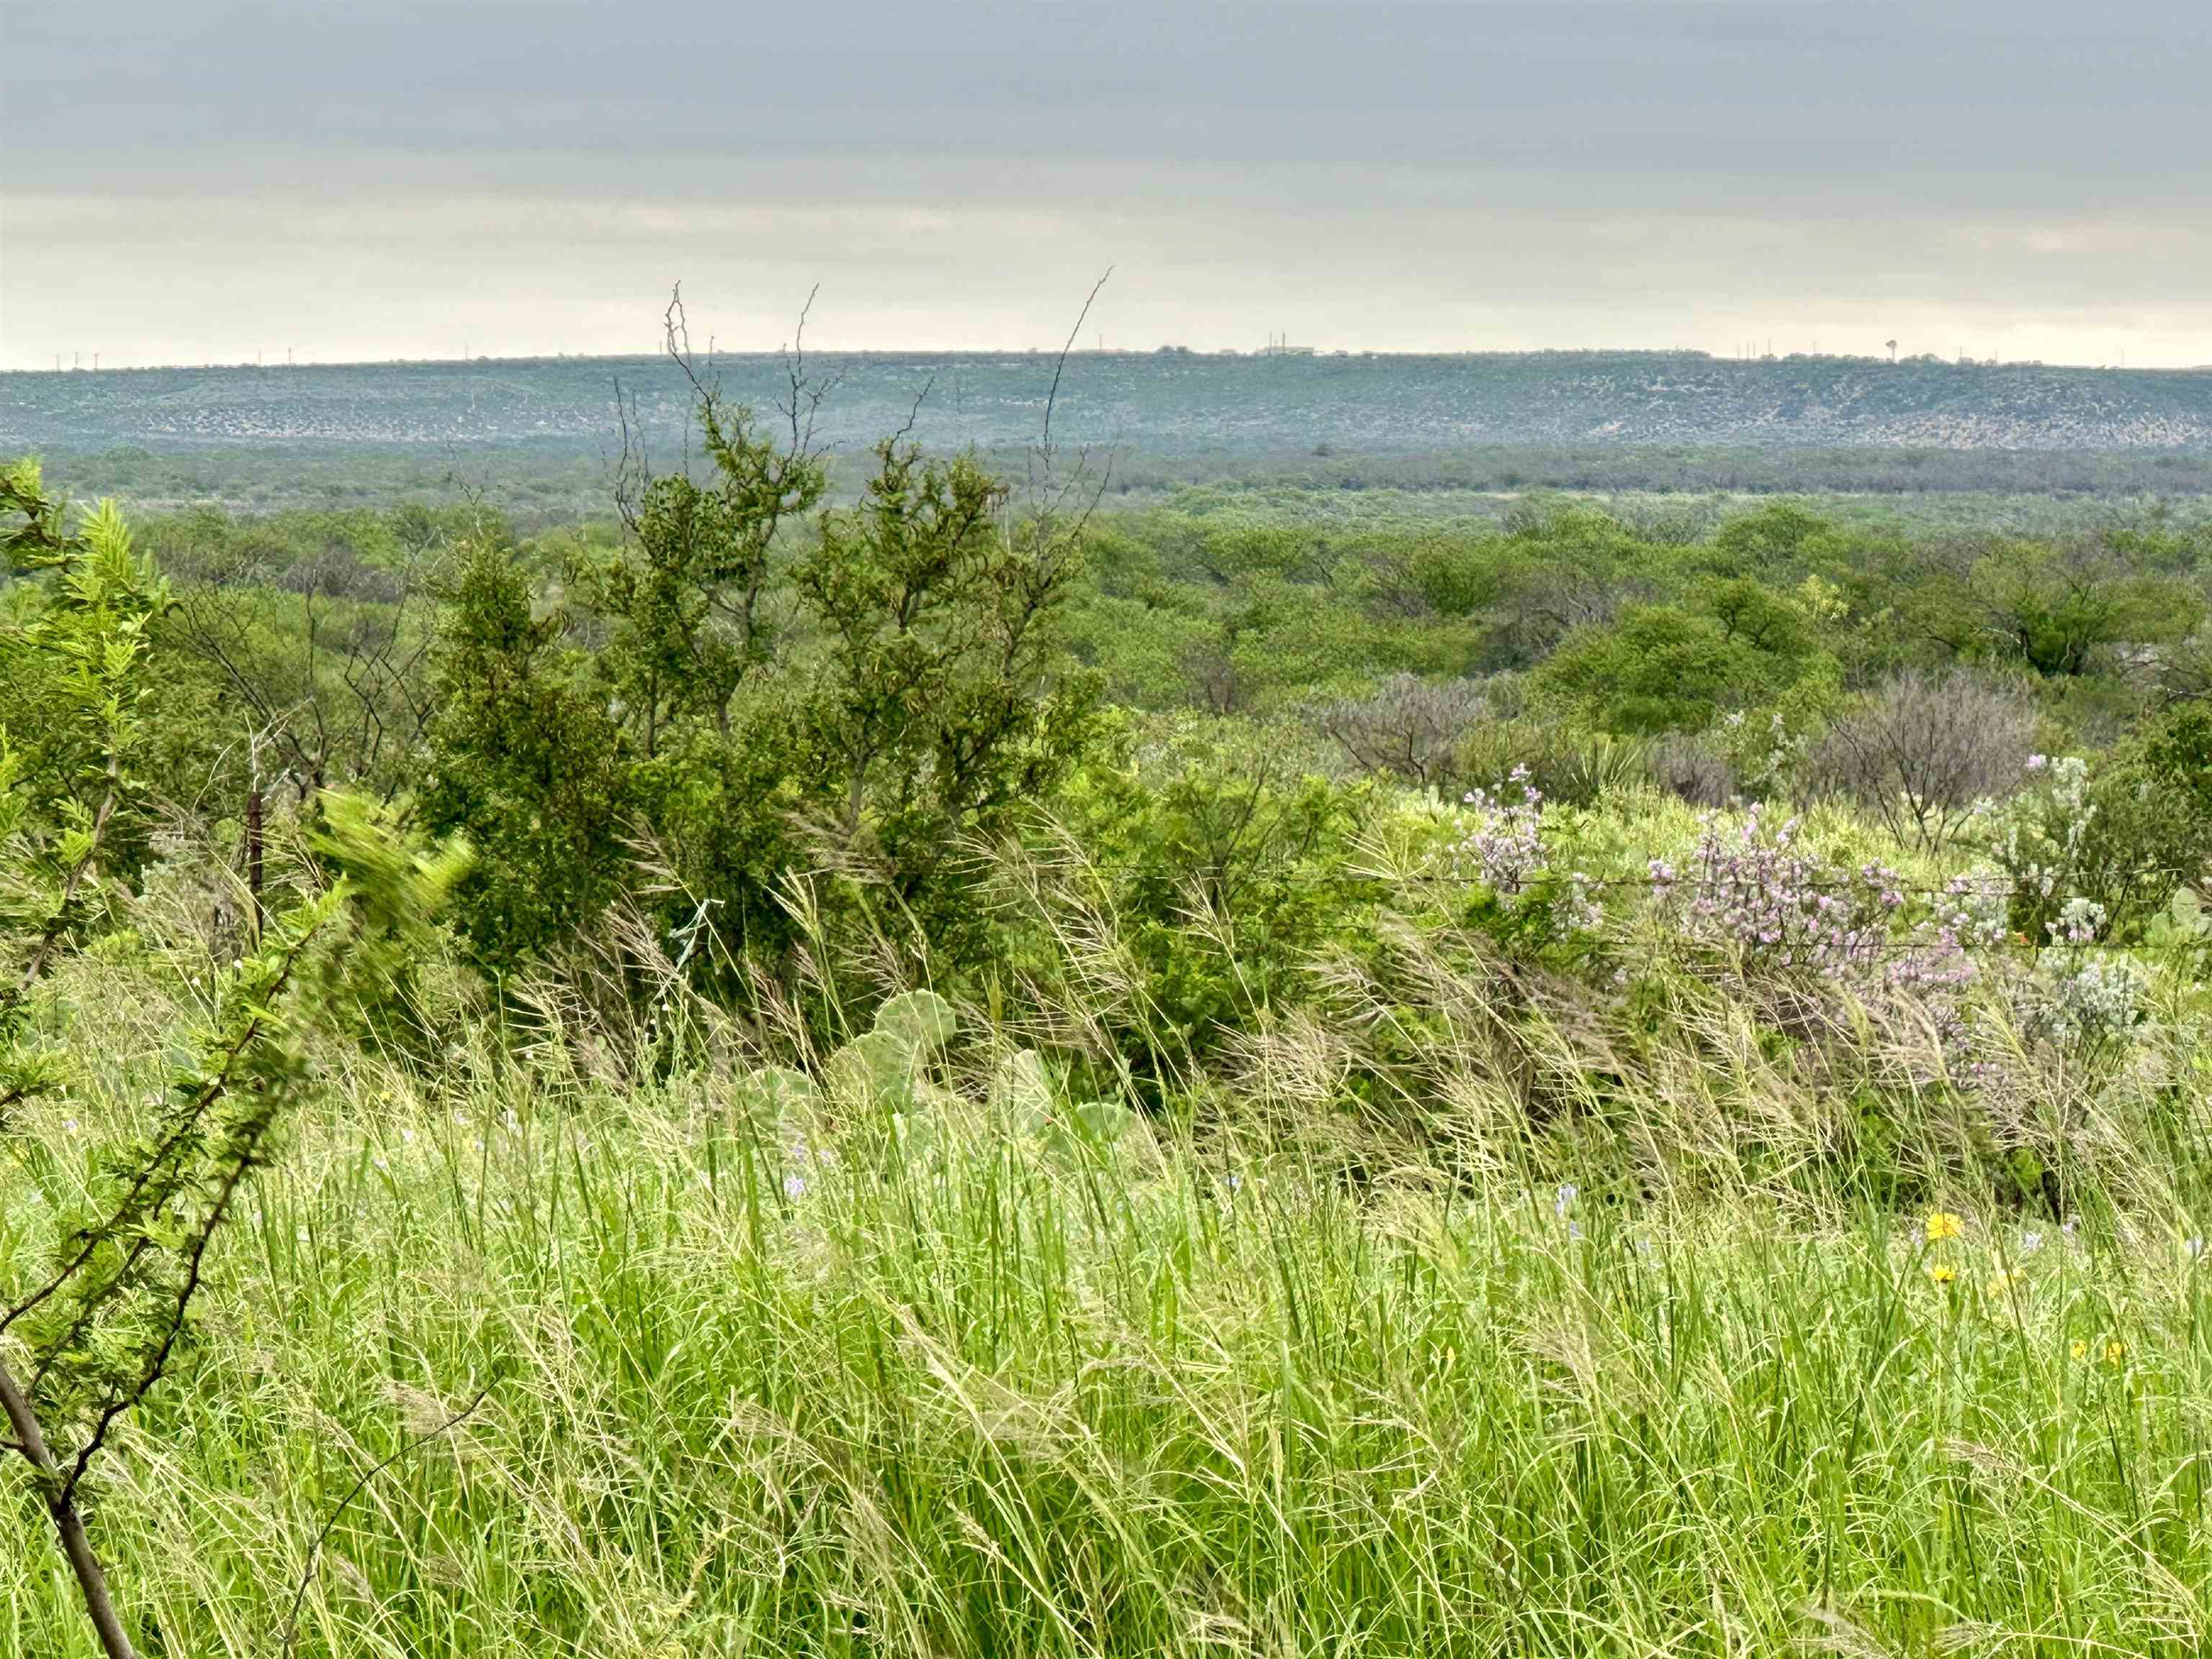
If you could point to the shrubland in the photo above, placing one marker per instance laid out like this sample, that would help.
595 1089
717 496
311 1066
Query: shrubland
944 1071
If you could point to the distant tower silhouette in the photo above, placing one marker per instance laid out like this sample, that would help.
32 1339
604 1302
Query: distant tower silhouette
1892 350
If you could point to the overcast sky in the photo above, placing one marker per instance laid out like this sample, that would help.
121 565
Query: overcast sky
186 180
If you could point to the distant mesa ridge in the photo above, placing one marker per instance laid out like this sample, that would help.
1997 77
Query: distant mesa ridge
1174 402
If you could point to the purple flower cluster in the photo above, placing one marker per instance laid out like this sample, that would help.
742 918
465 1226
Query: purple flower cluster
1504 851
1784 909
1503 847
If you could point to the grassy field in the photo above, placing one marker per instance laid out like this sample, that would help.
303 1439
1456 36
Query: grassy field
743 1373
1457 1113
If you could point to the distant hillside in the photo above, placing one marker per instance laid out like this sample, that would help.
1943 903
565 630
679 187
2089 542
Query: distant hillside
1159 404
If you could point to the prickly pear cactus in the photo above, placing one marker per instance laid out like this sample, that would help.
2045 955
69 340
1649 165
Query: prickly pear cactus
888 1066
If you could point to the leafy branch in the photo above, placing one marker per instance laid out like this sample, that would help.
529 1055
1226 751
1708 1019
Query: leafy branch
85 1347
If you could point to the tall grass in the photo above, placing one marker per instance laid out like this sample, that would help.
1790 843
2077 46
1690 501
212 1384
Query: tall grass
803 1384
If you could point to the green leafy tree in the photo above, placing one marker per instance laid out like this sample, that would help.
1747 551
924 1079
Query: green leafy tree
1659 668
2056 611
688 590
83 621
942 696
1780 540
524 762
1564 567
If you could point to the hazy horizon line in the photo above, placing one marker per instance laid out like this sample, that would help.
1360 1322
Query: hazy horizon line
1295 354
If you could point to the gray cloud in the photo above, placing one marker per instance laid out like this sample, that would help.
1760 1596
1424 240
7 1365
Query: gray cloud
1382 169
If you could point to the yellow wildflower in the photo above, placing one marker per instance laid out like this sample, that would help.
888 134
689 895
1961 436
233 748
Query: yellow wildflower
2115 1352
1942 1272
2005 1281
1942 1224
2079 1349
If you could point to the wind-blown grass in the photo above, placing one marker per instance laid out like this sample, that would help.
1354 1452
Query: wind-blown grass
748 1396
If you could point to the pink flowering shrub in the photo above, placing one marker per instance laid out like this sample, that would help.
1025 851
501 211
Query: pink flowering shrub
1502 848
1782 911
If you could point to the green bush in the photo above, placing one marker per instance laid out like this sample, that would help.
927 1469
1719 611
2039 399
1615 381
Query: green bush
1226 870
524 762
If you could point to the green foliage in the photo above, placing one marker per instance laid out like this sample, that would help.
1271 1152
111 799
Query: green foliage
922 695
2056 611
129 1255
1658 668
526 765
302 639
2151 832
129 1250
2123 835
684 591
939 703
1227 872
71 802
397 887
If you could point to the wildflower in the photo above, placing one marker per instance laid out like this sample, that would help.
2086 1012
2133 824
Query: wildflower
70 1124
2030 1242
2037 762
381 1166
2005 1281
1942 1224
1564 1199
2115 1352
407 1137
794 1186
2195 1247
1942 1273
2078 1348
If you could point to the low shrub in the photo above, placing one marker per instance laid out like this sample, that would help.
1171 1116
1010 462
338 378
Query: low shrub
1925 751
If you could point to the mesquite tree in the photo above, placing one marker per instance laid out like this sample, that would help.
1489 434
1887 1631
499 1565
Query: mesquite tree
85 1344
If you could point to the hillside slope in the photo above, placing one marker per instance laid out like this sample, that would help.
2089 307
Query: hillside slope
1160 403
